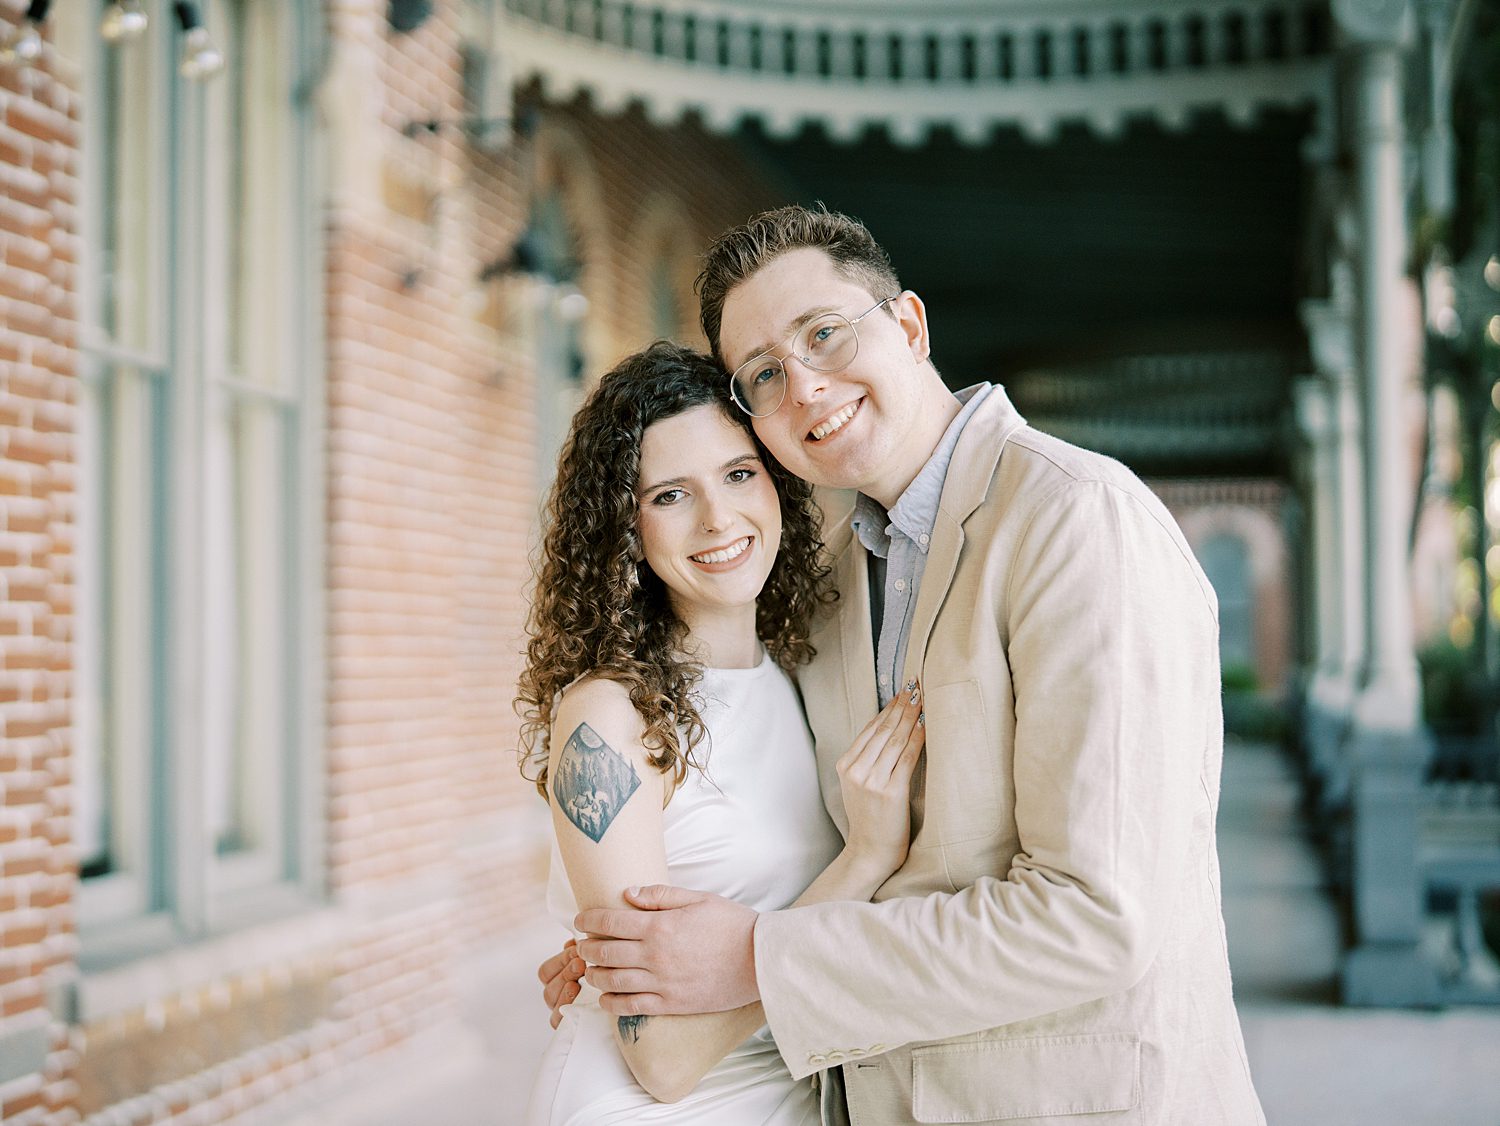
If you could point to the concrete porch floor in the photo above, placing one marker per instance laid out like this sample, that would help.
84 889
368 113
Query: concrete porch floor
1315 1064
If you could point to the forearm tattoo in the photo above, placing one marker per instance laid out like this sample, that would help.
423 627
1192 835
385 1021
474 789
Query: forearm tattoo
630 1029
593 783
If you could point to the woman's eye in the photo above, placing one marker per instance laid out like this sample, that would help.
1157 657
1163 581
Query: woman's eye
764 375
671 496
740 476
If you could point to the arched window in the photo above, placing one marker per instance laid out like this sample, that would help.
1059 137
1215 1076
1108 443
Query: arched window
562 308
1226 562
666 309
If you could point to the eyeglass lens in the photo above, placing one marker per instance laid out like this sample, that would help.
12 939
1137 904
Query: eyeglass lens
826 344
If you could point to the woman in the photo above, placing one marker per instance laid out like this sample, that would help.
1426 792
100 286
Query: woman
679 575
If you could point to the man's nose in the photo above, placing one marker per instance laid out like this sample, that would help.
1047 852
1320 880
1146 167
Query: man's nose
803 383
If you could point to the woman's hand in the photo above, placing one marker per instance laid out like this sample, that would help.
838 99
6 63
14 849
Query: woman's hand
559 976
875 776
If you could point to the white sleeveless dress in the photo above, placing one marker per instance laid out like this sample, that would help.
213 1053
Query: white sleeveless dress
753 829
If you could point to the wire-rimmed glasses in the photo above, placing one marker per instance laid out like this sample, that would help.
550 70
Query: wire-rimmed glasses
828 342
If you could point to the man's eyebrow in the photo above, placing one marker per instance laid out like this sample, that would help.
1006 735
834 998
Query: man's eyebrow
728 465
791 327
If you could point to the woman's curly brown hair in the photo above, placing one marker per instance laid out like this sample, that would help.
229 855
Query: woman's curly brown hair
597 611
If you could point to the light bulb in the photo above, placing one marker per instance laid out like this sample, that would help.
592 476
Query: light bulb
200 58
23 45
123 20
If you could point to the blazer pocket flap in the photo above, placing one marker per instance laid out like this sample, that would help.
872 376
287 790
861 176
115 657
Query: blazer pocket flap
1041 1077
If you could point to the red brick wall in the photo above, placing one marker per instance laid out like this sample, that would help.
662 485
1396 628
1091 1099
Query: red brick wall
436 847
38 389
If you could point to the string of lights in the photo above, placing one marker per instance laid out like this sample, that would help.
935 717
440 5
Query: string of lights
123 22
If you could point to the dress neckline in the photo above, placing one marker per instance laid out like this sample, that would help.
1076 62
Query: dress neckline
760 668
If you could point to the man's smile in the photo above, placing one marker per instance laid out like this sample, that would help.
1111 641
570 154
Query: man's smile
835 422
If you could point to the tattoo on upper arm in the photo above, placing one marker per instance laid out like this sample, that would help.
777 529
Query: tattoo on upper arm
630 1029
593 782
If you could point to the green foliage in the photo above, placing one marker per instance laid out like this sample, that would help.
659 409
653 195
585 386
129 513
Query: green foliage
1238 678
1453 689
1247 713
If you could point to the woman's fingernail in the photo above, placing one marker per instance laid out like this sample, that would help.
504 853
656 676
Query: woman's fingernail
921 719
911 685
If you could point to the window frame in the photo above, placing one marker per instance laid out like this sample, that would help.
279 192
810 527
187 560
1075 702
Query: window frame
180 891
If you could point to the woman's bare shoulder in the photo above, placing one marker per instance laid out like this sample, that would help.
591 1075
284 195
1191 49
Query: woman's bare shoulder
603 710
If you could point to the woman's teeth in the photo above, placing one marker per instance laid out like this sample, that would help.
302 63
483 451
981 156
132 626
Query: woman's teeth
823 429
724 555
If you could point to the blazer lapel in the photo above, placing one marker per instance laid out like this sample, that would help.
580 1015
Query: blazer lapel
964 489
855 635
937 577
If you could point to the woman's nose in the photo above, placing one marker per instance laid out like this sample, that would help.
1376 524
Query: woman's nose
714 515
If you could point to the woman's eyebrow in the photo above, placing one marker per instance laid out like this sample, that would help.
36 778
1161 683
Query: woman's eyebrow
730 464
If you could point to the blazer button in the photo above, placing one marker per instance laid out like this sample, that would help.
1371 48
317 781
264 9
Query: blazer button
878 1048
816 1059
835 1057
855 1053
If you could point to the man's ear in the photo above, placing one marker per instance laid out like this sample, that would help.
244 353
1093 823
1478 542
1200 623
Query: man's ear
911 315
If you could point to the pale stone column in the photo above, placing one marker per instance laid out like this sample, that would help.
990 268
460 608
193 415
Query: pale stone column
1387 750
1389 697
1331 398
1316 428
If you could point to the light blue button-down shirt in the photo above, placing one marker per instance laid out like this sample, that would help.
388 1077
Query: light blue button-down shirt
897 542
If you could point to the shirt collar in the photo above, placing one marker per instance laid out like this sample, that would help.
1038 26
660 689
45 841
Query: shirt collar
915 510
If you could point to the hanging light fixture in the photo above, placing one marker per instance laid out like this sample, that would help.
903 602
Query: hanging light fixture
23 45
123 20
200 58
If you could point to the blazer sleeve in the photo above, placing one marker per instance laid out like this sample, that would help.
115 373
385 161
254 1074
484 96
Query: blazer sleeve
1113 658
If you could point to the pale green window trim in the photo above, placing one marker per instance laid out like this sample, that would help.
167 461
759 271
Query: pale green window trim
199 608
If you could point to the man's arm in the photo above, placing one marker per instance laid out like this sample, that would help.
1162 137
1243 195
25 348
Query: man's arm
1113 660
1114 667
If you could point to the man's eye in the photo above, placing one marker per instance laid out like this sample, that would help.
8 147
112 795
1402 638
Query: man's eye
764 375
824 336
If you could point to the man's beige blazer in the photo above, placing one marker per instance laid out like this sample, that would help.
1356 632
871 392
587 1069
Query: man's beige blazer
1052 951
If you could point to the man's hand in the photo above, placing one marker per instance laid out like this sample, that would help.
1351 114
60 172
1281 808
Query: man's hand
681 952
559 976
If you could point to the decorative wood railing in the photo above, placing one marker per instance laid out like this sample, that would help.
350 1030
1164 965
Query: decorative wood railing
1459 862
910 66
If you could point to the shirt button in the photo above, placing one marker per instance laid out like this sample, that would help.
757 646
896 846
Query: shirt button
885 681
922 539
900 584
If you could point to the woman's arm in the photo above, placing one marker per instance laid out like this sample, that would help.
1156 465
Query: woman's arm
607 803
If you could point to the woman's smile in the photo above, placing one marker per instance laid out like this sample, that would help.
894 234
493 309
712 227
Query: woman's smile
724 558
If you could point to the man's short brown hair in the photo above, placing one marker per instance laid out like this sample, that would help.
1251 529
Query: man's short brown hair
741 251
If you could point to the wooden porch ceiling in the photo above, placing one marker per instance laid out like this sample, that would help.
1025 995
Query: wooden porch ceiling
1045 265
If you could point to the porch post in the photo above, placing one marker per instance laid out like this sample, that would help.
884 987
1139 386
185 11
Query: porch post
1387 749
1332 395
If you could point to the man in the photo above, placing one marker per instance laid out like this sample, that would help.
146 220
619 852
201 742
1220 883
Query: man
1054 944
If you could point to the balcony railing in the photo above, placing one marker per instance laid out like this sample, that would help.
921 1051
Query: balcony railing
968 65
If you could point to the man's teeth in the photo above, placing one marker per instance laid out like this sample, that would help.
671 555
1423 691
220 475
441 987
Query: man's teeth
823 429
724 555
